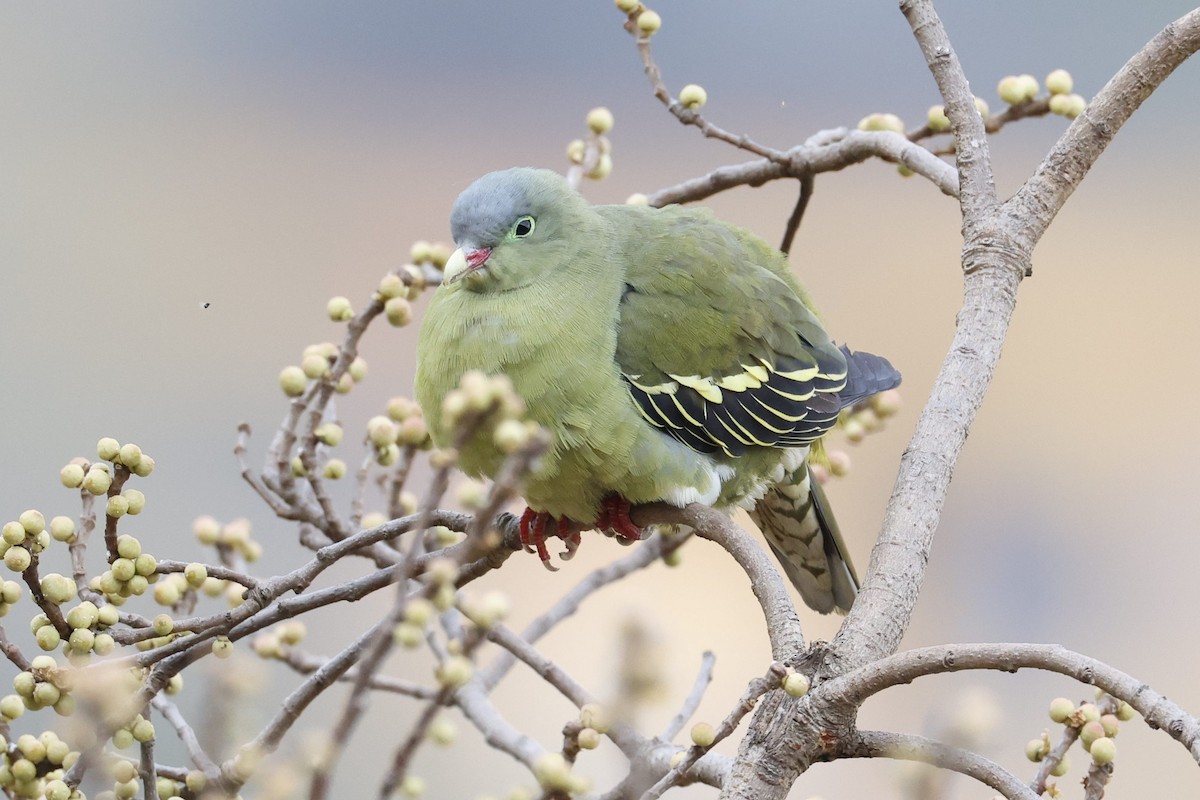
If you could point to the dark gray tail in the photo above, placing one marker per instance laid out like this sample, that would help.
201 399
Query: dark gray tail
866 374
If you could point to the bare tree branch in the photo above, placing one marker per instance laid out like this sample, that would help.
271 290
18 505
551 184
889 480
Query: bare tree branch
906 746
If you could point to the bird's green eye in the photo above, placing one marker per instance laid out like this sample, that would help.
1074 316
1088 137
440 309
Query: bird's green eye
523 226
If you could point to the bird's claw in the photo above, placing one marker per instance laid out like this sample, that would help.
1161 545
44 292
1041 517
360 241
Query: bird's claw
614 516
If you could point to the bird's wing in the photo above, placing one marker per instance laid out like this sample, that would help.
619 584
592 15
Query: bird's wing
714 340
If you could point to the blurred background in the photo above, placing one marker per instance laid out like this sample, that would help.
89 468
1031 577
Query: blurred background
186 184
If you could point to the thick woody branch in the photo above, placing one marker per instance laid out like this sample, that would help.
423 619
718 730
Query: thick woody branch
978 188
885 744
1158 711
1038 201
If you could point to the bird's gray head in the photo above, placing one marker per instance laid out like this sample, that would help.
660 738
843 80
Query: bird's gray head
511 227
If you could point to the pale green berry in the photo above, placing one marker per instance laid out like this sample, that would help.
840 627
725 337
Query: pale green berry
472 495
24 683
603 168
124 771
637 199
17 559
421 252
10 592
207 530
293 632
982 107
144 467
57 790
62 529
418 611
57 751
1076 107
413 432
11 706
1089 712
137 585
552 771
213 587
32 748
381 431
357 369
600 120
14 533
122 738
626 5
127 790
839 462
1011 90
314 367
97 481
673 558
1103 750
412 786
335 469
408 635
1090 732
130 455
167 788
1029 86
1059 82
796 684
117 506
108 448
372 520
103 644
442 732
195 574
298 470
391 286
174 685
71 476
292 381
128 546
881 122
703 734
444 597
83 615
32 521
123 569
48 638
46 693
1061 104
143 730
454 672
163 624
1111 725
648 22
222 647
442 570
58 588
40 542
595 716
1125 711
401 408
589 739
39 621
166 593
1061 768
398 311
937 120
388 455
576 151
339 309
1061 709
329 434
107 615
24 770
693 96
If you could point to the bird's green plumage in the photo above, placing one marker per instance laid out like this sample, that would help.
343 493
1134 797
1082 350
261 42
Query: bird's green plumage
632 334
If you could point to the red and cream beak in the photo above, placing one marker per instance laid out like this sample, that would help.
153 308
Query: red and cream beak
462 261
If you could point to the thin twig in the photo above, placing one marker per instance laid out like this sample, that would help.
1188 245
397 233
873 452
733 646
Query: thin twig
793 223
692 701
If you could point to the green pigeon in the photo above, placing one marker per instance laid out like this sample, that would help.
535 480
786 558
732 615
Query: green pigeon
673 358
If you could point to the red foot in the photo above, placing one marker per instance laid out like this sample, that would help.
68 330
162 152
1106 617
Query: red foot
614 516
533 535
